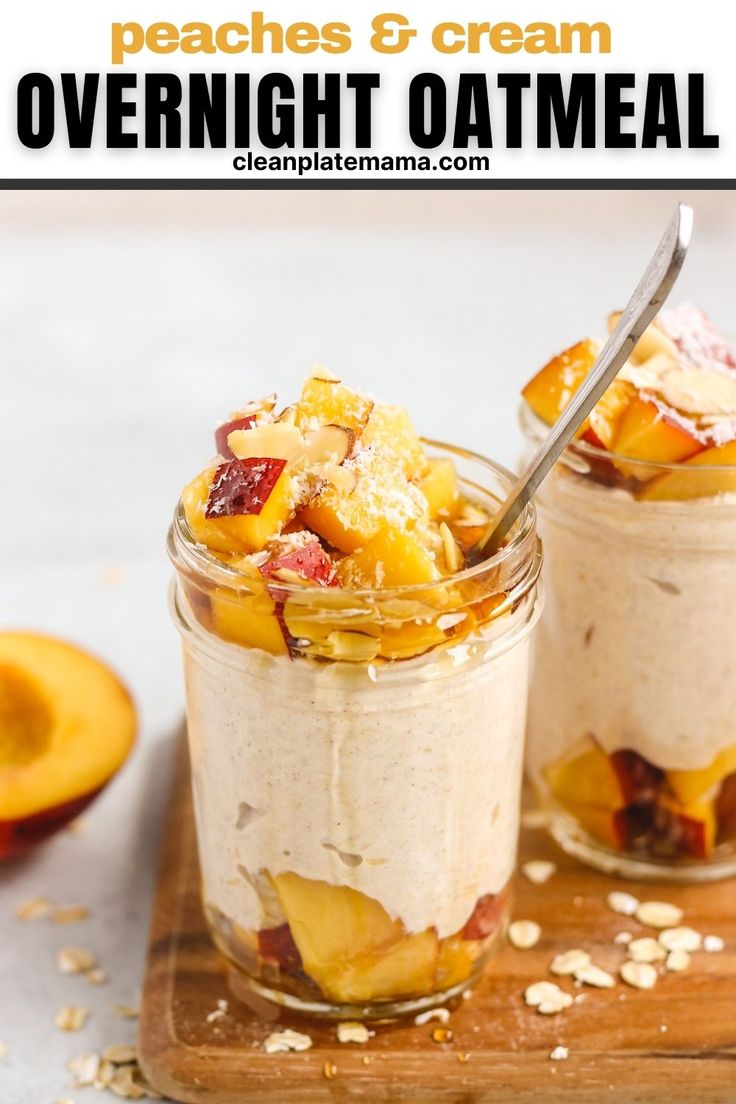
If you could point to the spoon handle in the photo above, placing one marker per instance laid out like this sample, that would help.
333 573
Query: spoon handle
651 292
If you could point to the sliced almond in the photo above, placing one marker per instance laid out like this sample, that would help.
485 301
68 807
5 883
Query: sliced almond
255 406
276 440
353 647
344 480
329 443
324 375
453 555
288 415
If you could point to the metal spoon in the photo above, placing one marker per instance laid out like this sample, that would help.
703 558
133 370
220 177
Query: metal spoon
651 292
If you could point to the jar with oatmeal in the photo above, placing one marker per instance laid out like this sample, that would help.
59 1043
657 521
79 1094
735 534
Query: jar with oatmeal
356 697
632 729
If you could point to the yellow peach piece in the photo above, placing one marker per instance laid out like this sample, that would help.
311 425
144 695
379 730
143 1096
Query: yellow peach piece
390 430
333 925
585 779
607 412
349 520
440 488
645 433
403 970
549 392
237 532
394 557
247 619
455 961
329 402
690 481
690 785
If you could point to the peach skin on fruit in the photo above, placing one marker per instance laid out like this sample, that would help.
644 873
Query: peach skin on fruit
67 724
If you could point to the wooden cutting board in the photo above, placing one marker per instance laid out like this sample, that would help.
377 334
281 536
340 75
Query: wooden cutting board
675 1043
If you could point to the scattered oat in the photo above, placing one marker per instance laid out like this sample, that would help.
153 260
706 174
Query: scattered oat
547 997
538 871
568 962
713 944
467 994
680 939
280 1041
623 938
75 960
578 900
640 975
441 1014
646 949
215 1014
534 819
330 1070
3 1049
120 1054
124 1085
71 1017
85 1068
622 903
367 1060
658 914
524 934
677 960
96 977
663 1028
37 908
126 1011
105 1074
464 1056
78 826
442 1035
353 1032
559 1054
72 915
595 976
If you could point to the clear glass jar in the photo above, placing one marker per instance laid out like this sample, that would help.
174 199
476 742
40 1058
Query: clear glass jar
357 795
632 716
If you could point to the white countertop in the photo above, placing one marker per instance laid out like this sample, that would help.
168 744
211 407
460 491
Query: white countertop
129 324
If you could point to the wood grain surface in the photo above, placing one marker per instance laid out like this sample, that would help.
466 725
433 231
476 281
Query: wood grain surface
675 1043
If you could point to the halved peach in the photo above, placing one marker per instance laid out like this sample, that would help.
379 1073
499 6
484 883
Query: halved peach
549 392
67 725
691 481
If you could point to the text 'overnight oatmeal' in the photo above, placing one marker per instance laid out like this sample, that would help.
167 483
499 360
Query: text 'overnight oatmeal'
356 694
632 737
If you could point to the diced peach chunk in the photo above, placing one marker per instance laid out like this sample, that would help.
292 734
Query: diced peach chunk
645 432
587 778
394 557
403 970
329 402
248 619
549 392
349 520
440 487
238 532
692 481
390 430
607 413
690 785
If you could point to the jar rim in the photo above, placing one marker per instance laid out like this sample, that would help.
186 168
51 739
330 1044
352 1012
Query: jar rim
533 426
182 545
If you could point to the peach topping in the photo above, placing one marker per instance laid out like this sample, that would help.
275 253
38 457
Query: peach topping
334 491
674 402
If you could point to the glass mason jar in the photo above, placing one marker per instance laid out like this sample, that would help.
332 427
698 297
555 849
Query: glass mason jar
356 760
632 716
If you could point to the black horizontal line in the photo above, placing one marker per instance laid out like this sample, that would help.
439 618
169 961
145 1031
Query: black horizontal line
362 183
